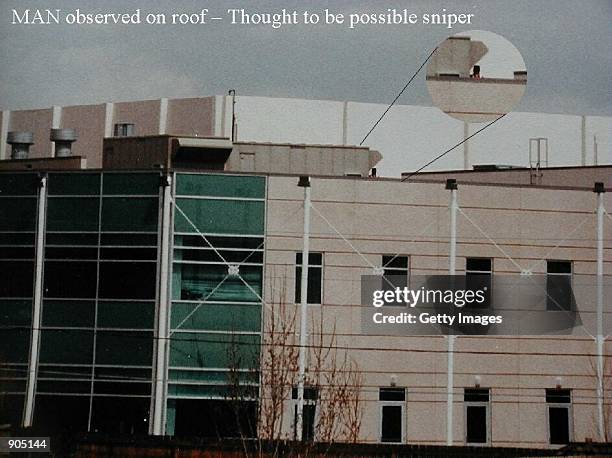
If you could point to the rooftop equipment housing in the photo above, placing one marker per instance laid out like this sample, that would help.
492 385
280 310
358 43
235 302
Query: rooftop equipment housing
63 139
20 144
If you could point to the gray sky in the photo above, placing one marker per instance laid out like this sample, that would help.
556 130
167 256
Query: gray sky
565 46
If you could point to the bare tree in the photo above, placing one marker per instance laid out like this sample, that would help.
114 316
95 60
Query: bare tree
607 398
332 374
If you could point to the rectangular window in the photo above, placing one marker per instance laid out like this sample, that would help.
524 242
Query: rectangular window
478 273
559 294
559 415
309 414
315 278
477 428
392 403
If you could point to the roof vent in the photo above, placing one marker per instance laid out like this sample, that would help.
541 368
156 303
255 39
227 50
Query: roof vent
20 144
125 129
63 139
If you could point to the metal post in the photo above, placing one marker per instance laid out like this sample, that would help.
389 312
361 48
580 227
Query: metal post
451 185
159 396
28 414
305 183
600 190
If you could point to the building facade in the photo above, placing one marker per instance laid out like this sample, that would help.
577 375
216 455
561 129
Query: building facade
137 301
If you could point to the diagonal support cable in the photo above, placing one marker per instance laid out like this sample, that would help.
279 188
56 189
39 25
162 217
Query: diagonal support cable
520 268
343 237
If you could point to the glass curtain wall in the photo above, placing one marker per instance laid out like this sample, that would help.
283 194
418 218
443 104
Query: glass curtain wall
99 291
216 306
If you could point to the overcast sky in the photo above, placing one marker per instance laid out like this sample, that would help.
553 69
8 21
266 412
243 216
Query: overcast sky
565 46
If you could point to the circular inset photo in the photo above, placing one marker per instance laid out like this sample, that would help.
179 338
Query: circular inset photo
476 76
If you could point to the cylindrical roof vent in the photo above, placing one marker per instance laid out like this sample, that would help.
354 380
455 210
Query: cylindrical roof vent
63 139
125 129
20 144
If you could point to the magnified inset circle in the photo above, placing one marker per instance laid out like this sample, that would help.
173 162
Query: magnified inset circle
476 76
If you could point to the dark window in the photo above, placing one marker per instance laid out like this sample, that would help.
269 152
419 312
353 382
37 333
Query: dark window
559 404
130 348
219 419
315 277
476 415
127 280
478 277
51 414
392 414
392 394
559 295
309 413
17 278
391 428
70 279
120 415
395 271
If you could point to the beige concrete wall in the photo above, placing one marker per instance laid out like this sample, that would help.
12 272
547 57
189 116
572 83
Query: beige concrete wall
88 121
385 217
144 114
191 117
578 177
39 123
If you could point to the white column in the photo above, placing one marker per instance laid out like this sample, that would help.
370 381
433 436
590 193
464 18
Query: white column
161 369
599 189
163 116
28 414
6 117
466 146
109 114
56 123
450 370
305 183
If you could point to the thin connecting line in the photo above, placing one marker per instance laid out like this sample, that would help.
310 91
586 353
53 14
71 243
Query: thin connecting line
197 307
342 237
452 148
520 268
191 223
422 232
398 96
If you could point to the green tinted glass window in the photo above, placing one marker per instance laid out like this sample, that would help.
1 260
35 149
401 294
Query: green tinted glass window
213 350
131 184
17 214
220 186
130 348
219 216
14 345
68 313
18 184
72 213
135 315
15 313
218 317
74 184
64 346
16 278
211 282
129 214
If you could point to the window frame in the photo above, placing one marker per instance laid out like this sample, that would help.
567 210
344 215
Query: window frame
386 403
570 418
308 401
298 279
557 307
489 272
487 406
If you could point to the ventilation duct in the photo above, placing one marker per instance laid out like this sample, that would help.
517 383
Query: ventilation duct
63 139
20 144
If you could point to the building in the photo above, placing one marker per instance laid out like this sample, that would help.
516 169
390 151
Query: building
102 285
135 298
407 139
